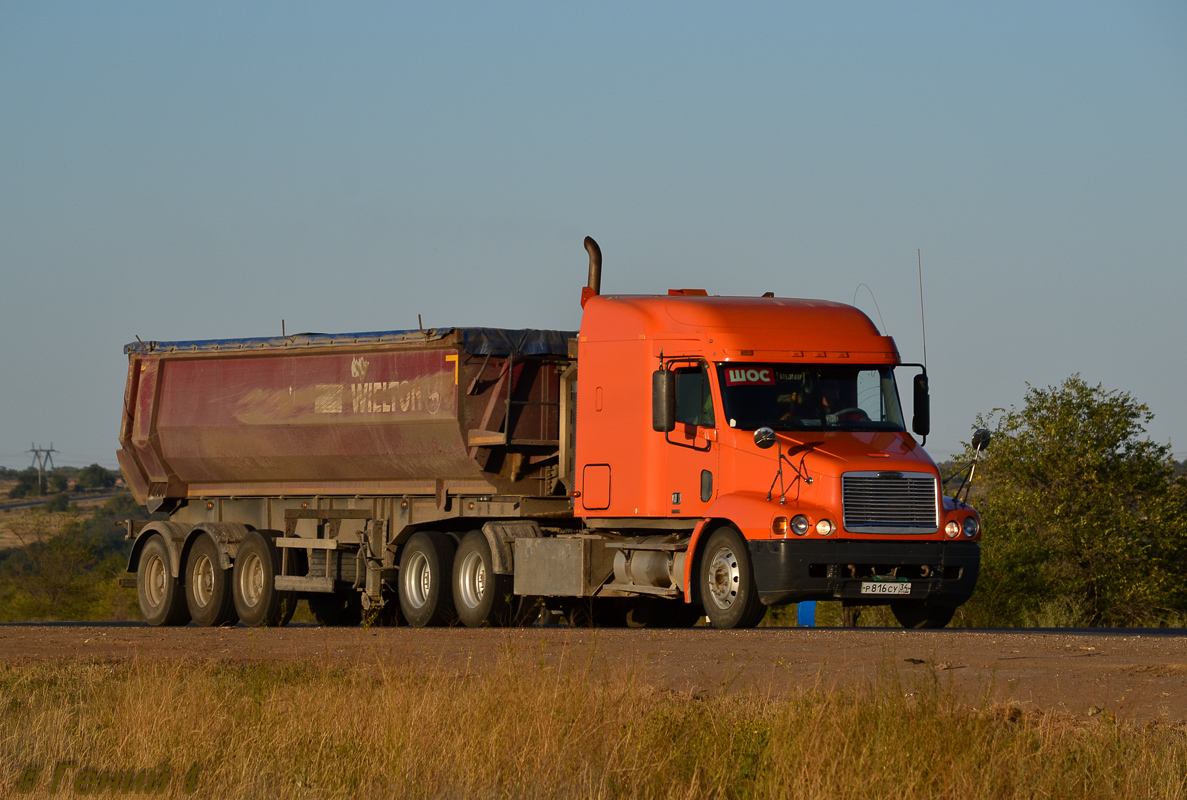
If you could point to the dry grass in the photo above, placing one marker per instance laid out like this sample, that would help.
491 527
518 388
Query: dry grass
526 730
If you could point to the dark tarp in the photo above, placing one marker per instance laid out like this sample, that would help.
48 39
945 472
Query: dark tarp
502 342
475 341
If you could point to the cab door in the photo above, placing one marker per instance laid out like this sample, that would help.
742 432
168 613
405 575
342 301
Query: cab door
691 449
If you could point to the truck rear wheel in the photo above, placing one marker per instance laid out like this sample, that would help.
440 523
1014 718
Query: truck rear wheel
208 593
921 615
727 582
162 598
426 569
254 580
481 598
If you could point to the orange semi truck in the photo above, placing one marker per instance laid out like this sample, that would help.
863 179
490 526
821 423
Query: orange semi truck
680 456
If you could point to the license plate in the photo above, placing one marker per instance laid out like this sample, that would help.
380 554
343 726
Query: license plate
880 587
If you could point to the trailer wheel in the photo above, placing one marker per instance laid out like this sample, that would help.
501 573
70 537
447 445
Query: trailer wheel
337 610
426 567
162 598
254 580
727 582
921 615
482 598
208 593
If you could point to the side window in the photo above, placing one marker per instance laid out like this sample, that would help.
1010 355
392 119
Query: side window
869 394
694 401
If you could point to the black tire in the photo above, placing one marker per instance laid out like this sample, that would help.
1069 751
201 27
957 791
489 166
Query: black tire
254 584
426 573
337 609
480 597
919 614
162 597
208 593
726 582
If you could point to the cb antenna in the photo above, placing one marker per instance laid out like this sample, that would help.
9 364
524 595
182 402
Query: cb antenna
922 316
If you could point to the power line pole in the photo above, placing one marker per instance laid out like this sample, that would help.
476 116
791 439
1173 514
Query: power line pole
40 459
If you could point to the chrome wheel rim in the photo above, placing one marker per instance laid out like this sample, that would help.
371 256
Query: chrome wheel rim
251 579
154 580
203 578
724 578
419 580
472 586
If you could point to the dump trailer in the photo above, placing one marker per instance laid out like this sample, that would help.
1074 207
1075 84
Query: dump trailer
680 456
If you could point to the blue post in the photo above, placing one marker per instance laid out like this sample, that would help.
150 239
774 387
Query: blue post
805 614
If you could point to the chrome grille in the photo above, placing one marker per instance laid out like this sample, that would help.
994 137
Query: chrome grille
890 502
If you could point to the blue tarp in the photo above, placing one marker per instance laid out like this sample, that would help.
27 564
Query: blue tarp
475 341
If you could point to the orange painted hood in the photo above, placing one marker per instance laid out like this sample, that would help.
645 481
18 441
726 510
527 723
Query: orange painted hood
835 452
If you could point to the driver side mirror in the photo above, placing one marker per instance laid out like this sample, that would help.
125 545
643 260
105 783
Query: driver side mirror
663 400
921 422
764 437
981 439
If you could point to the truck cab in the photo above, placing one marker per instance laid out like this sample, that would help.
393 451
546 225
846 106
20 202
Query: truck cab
768 434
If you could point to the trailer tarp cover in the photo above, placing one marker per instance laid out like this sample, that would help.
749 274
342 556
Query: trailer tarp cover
475 341
527 342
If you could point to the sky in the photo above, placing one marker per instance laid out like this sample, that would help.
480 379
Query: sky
205 170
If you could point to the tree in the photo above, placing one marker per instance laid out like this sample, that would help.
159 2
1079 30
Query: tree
1085 520
65 569
94 477
29 482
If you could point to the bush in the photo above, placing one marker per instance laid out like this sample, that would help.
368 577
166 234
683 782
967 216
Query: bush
59 502
67 566
28 482
94 477
1085 520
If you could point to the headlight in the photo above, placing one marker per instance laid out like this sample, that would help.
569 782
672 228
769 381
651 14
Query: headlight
779 526
799 525
971 527
952 529
824 527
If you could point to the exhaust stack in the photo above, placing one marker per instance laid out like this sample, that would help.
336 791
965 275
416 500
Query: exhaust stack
594 286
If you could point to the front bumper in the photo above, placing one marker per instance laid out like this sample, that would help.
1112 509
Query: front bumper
786 571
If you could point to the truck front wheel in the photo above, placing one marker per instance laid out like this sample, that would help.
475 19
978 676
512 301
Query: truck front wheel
208 593
162 598
254 580
921 615
727 582
426 566
481 597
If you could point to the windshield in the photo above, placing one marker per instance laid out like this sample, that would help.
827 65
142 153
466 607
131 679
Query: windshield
801 397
